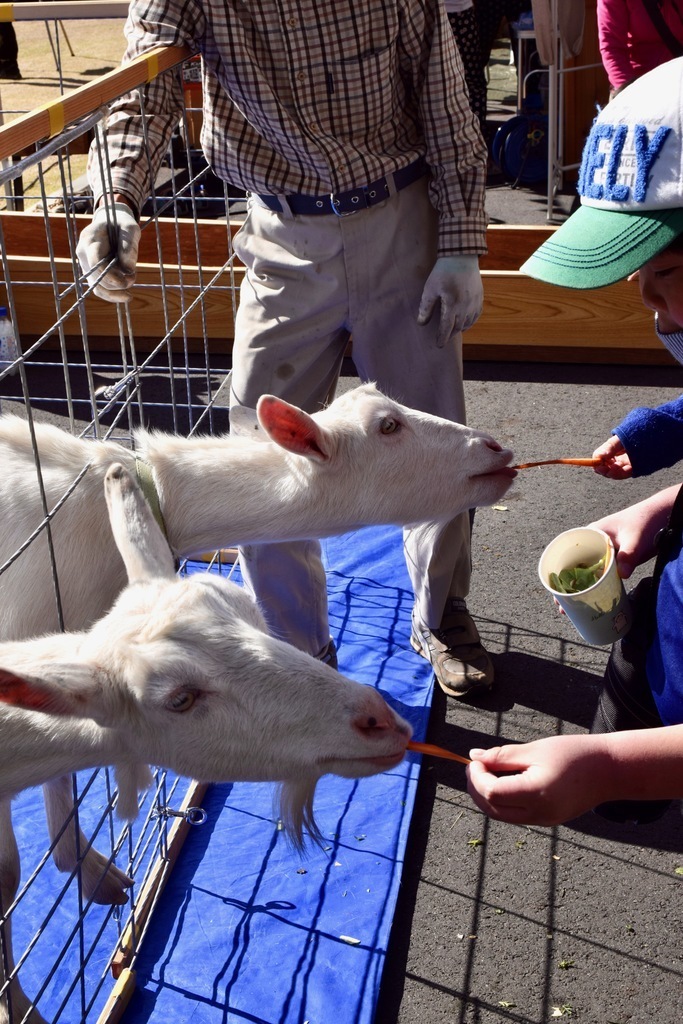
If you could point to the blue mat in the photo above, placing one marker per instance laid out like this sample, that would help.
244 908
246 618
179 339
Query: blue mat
248 930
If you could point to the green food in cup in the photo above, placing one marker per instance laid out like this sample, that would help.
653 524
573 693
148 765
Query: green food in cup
580 577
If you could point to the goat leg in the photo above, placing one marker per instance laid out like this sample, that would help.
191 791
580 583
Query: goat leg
102 881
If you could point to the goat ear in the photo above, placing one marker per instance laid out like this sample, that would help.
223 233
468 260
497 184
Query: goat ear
143 547
293 429
52 696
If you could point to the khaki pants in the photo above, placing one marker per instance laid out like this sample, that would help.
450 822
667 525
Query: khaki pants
311 283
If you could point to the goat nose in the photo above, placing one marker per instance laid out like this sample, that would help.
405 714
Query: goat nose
371 724
378 725
493 445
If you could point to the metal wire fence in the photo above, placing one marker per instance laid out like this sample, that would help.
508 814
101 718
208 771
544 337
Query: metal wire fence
99 371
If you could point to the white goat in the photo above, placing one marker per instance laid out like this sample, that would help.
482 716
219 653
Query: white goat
363 460
180 673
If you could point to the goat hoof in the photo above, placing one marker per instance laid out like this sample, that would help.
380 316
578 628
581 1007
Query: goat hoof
103 882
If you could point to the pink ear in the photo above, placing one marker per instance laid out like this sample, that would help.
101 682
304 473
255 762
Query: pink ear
292 428
31 695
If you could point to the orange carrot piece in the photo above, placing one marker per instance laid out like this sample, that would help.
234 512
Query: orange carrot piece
431 748
559 462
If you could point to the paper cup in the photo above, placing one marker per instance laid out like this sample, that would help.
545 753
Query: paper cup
601 613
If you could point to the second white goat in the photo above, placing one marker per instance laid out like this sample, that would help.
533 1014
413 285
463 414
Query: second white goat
180 673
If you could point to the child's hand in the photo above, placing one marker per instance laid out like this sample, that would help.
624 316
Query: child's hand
555 779
634 529
614 462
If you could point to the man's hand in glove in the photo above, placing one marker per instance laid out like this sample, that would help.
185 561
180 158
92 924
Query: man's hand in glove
113 234
455 282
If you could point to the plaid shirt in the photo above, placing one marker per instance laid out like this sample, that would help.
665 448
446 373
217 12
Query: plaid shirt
311 96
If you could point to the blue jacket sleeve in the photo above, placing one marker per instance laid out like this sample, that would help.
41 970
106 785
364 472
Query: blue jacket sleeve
653 438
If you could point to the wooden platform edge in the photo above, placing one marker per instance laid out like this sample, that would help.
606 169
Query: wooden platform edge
119 998
133 934
522 319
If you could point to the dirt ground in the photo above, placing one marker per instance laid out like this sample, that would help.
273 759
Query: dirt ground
62 55
56 58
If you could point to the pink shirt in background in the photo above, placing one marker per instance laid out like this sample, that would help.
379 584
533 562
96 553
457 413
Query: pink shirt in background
630 44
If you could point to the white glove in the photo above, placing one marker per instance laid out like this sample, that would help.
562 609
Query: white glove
113 234
455 282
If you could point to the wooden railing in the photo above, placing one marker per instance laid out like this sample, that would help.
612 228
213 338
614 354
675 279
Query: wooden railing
528 320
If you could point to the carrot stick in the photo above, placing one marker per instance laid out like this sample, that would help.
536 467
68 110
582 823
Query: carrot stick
431 748
559 462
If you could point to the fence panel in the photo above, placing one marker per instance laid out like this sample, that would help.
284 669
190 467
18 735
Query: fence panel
100 370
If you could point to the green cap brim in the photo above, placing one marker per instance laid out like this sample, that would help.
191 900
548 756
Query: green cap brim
596 247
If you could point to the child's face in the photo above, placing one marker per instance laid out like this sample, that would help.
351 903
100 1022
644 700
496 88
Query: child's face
661 287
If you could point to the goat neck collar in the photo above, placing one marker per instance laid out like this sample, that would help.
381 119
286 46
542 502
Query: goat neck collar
145 478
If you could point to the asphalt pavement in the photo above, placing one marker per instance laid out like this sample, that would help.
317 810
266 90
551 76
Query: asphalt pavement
499 922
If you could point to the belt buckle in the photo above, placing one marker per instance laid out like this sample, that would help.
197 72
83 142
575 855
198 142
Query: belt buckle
335 201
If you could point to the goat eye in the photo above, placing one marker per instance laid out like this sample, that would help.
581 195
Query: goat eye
389 425
182 701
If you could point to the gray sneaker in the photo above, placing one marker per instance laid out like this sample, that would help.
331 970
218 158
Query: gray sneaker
454 650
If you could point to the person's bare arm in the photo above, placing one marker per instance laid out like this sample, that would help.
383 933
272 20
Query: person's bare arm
555 779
